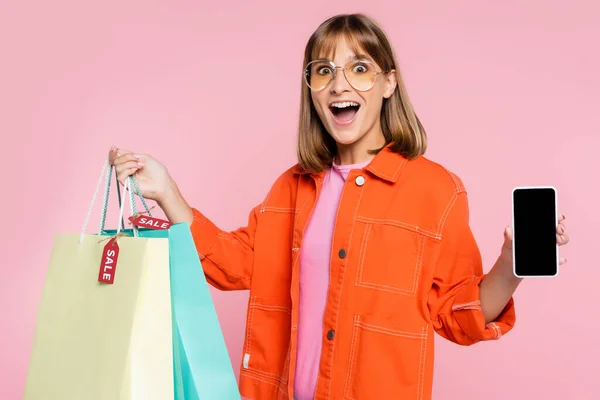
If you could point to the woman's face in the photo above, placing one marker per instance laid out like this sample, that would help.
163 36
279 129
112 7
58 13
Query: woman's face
351 116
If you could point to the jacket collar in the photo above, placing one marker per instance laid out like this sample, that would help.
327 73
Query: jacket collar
386 165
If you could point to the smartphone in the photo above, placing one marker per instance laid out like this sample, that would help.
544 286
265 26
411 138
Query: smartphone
535 218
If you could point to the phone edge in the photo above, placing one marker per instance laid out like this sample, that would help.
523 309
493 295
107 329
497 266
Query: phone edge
514 189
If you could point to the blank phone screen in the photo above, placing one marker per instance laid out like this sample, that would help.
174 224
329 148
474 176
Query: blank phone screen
534 228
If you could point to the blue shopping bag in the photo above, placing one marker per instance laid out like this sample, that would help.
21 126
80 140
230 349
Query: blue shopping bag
201 365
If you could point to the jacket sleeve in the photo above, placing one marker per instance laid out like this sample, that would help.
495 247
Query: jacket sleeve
227 257
454 304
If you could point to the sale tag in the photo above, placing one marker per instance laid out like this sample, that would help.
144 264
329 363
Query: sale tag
108 265
150 222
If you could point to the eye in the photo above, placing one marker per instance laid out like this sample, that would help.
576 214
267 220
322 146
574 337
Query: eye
360 68
324 70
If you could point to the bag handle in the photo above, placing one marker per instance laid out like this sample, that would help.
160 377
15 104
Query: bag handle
131 198
131 186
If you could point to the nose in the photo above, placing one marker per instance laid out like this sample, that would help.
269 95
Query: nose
340 83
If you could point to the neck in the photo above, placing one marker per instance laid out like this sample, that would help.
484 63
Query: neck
358 152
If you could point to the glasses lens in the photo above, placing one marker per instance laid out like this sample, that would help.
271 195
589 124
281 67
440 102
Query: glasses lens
318 74
360 74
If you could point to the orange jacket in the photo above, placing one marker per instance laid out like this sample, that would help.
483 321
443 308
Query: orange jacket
404 264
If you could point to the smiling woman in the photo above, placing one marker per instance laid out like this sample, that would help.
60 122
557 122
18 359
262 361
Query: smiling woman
360 251
382 112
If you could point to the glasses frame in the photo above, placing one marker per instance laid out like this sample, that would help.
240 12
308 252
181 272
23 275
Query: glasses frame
334 74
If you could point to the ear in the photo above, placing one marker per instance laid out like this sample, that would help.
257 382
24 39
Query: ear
390 84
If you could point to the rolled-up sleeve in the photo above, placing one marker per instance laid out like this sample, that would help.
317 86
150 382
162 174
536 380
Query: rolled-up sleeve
227 257
454 301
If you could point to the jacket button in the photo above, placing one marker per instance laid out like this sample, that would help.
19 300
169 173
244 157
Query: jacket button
330 334
360 180
342 253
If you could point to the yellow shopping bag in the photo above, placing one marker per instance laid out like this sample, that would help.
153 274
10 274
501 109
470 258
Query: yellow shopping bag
100 341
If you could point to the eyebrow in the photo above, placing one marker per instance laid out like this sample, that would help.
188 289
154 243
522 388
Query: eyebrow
359 57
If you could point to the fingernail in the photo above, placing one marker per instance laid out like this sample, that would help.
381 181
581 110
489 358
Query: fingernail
137 157
140 164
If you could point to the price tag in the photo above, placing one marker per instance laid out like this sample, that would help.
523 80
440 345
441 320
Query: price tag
150 222
108 264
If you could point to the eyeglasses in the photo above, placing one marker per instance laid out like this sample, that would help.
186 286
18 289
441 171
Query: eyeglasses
360 74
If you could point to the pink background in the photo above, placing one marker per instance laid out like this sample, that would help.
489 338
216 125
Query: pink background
507 91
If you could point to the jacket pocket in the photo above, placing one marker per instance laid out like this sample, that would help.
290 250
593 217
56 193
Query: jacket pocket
266 344
391 256
387 360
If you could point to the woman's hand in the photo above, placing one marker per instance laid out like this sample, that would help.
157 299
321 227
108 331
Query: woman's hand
562 238
152 177
154 183
500 283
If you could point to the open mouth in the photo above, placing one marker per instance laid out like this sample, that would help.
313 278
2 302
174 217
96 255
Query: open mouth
344 112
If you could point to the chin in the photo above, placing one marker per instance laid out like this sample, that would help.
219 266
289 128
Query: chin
346 138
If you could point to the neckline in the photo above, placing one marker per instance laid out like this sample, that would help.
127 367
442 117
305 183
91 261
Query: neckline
348 167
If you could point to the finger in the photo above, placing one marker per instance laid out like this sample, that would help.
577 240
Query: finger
112 154
561 229
562 261
508 238
561 218
128 165
116 152
120 152
126 173
126 157
562 239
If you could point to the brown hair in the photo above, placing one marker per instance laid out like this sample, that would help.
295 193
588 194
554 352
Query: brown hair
401 126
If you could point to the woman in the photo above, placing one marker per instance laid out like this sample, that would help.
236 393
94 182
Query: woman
359 252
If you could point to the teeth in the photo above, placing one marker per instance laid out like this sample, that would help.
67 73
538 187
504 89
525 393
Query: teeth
344 104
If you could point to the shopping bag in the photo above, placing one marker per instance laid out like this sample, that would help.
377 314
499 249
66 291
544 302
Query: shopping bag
202 368
98 341
152 334
202 360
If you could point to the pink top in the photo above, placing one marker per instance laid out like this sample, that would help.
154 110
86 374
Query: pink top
314 279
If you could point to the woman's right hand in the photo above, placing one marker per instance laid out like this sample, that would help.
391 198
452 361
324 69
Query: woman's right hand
154 183
152 177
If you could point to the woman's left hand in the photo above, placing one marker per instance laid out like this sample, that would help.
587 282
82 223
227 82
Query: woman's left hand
562 238
501 282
